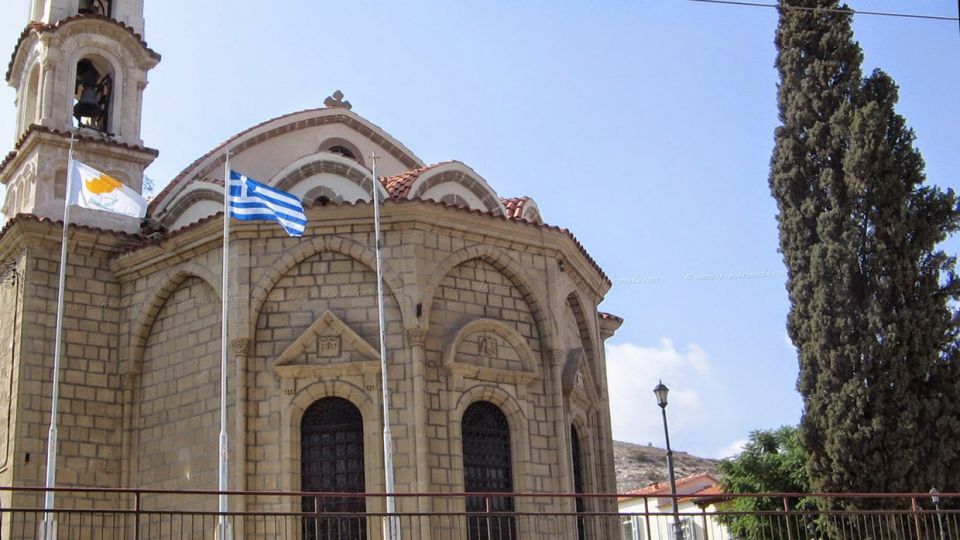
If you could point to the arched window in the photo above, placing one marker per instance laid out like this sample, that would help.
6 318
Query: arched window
487 467
93 92
343 151
577 459
331 460
31 112
94 7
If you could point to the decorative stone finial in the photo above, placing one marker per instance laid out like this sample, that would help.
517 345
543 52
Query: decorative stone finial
336 101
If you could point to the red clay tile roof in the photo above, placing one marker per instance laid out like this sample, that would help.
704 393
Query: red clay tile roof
663 488
79 136
398 186
412 159
515 206
42 27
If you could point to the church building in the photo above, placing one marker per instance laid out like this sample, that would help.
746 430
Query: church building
493 338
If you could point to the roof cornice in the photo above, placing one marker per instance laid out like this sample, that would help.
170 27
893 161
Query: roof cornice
35 132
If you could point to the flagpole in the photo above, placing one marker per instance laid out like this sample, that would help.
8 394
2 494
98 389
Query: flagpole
48 518
393 529
222 533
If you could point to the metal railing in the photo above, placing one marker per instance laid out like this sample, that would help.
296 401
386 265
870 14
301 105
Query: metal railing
113 514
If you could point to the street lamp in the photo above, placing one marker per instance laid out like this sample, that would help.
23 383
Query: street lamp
935 497
661 392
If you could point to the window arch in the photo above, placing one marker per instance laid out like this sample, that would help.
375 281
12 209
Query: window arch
487 467
331 460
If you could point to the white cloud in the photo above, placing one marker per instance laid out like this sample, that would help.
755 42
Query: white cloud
732 449
789 342
633 371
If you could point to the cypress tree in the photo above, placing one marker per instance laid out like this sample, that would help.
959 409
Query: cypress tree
871 296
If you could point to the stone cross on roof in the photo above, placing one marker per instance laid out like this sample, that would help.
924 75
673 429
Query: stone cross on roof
336 101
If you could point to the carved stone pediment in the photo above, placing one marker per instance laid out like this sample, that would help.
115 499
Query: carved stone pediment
489 350
327 348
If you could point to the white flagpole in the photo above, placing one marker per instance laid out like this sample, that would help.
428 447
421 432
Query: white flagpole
390 521
49 526
222 533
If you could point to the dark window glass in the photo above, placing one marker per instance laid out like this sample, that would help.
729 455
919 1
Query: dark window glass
331 460
487 468
94 7
578 480
343 151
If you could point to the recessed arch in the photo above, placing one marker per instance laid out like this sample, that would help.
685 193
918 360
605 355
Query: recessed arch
318 244
502 261
158 297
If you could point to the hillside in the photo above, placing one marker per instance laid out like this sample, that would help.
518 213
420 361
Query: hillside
638 466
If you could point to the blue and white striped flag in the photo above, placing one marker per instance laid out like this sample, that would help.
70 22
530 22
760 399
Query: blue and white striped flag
251 200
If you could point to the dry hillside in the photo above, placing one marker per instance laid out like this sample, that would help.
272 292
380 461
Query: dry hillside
638 466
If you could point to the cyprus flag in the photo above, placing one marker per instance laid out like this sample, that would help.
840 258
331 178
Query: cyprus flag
97 190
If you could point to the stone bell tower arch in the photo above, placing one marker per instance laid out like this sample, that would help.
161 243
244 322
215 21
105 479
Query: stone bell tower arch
79 69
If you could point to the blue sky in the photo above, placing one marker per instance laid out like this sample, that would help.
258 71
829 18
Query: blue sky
644 126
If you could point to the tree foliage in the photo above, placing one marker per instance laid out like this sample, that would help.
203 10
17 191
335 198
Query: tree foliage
771 462
873 301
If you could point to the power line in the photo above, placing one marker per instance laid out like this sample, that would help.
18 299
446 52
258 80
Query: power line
830 10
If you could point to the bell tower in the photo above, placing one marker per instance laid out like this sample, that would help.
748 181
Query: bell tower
79 70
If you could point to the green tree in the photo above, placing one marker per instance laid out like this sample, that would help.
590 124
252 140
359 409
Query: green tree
872 298
771 462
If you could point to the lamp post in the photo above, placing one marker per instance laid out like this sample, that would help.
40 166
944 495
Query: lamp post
935 497
661 392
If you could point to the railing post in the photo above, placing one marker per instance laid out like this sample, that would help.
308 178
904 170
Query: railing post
136 515
489 507
646 516
916 516
316 516
786 517
706 528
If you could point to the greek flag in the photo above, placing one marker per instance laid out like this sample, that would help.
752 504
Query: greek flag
251 200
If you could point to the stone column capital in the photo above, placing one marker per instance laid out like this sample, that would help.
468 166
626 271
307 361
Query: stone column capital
240 346
416 336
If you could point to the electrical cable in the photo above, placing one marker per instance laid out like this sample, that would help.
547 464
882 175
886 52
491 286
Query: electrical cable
830 10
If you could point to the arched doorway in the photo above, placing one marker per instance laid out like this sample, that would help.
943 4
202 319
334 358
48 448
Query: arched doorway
331 460
487 468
